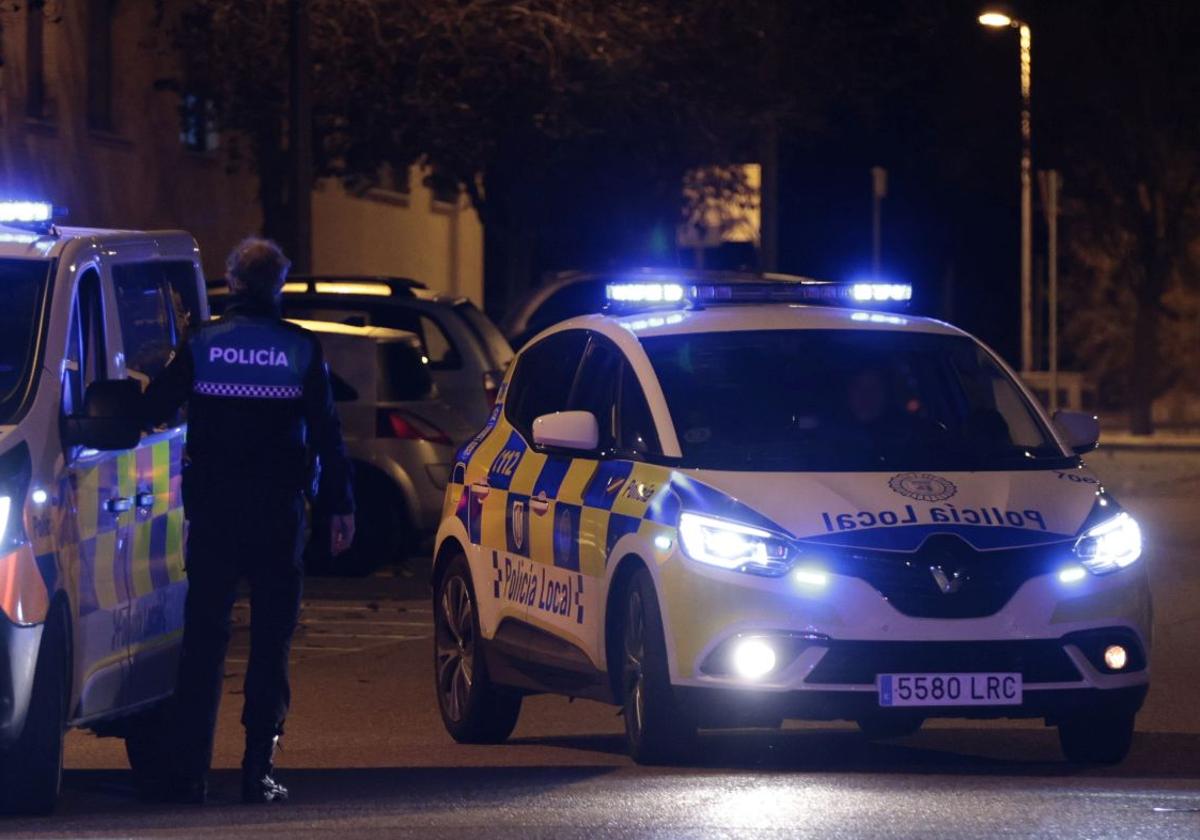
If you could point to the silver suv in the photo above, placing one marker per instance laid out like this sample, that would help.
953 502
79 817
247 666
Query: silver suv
400 436
467 354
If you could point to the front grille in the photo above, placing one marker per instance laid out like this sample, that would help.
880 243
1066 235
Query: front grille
987 580
858 663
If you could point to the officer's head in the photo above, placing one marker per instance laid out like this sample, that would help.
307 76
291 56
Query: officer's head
256 268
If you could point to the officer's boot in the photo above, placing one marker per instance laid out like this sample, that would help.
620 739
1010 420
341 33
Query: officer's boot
259 763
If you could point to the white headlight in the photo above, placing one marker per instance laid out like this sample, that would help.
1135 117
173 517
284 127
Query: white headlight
1111 545
5 509
730 545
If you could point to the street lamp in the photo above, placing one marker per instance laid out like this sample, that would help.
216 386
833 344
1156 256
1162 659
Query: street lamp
1000 19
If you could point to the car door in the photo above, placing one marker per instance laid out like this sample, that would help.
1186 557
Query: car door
96 504
511 486
156 301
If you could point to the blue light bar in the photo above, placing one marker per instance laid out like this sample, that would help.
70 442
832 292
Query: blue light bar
644 292
881 292
25 212
633 295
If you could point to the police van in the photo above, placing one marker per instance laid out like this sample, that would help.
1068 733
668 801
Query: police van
731 500
91 520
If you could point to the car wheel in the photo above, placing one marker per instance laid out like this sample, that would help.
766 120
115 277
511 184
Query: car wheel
473 709
31 769
147 745
657 729
879 727
382 535
1098 737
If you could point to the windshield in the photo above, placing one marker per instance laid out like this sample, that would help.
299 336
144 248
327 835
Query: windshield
846 400
23 286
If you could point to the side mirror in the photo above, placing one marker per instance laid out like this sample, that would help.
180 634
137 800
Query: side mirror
110 418
1082 430
567 430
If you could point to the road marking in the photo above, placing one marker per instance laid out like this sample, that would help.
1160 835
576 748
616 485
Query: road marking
362 636
321 622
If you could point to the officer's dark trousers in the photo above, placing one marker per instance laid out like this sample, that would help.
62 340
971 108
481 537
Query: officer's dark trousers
233 536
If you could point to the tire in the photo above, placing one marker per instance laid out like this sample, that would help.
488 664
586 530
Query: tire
147 745
31 770
1102 737
382 536
473 709
658 730
879 727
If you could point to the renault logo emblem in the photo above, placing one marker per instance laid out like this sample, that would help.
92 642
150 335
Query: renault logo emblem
948 583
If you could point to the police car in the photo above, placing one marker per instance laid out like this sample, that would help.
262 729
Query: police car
91 520
729 501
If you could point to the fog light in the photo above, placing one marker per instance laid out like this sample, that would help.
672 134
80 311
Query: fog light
753 658
1072 574
1115 657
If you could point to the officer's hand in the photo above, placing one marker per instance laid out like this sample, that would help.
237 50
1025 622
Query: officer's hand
341 532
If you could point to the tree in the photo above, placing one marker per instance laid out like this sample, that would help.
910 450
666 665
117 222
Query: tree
569 123
1133 164
234 55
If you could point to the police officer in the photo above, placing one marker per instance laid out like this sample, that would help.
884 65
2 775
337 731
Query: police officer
260 415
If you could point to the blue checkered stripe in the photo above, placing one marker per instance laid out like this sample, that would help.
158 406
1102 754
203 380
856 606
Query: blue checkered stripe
254 392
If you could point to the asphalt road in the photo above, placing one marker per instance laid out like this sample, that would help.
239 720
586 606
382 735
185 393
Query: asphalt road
366 753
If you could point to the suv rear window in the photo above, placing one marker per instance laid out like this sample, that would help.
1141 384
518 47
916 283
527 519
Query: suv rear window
436 343
494 344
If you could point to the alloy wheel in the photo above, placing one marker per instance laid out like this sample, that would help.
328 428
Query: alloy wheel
635 656
455 635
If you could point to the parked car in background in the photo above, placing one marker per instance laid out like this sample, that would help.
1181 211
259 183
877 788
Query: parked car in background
467 354
560 296
567 294
400 436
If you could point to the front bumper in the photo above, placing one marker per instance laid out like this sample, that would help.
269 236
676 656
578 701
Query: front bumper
723 707
19 646
704 609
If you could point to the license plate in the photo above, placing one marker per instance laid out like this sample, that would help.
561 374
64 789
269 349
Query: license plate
949 689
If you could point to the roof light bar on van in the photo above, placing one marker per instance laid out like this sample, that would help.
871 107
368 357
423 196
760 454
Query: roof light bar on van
628 296
25 212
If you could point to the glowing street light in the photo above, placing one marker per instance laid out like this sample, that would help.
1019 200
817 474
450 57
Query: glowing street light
994 18
1000 19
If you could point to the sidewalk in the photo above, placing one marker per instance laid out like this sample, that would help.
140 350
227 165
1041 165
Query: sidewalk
1159 441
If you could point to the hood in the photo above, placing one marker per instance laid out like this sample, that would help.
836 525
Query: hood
899 511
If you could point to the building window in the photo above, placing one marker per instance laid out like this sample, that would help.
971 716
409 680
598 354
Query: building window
198 123
100 64
35 60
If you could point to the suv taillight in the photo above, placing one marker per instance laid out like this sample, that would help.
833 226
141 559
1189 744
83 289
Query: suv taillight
394 423
491 385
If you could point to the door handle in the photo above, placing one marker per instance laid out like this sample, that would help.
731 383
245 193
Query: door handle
480 489
539 504
119 504
145 499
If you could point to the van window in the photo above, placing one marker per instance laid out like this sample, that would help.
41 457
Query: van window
86 354
23 293
180 277
146 308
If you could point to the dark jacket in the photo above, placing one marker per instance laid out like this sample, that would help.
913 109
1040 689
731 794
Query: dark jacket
259 409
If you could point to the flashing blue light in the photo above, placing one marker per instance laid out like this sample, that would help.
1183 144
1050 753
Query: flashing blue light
881 292
26 212
644 292
722 290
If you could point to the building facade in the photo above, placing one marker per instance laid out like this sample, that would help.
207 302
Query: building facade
83 124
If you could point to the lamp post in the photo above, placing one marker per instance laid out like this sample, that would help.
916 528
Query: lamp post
1000 19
